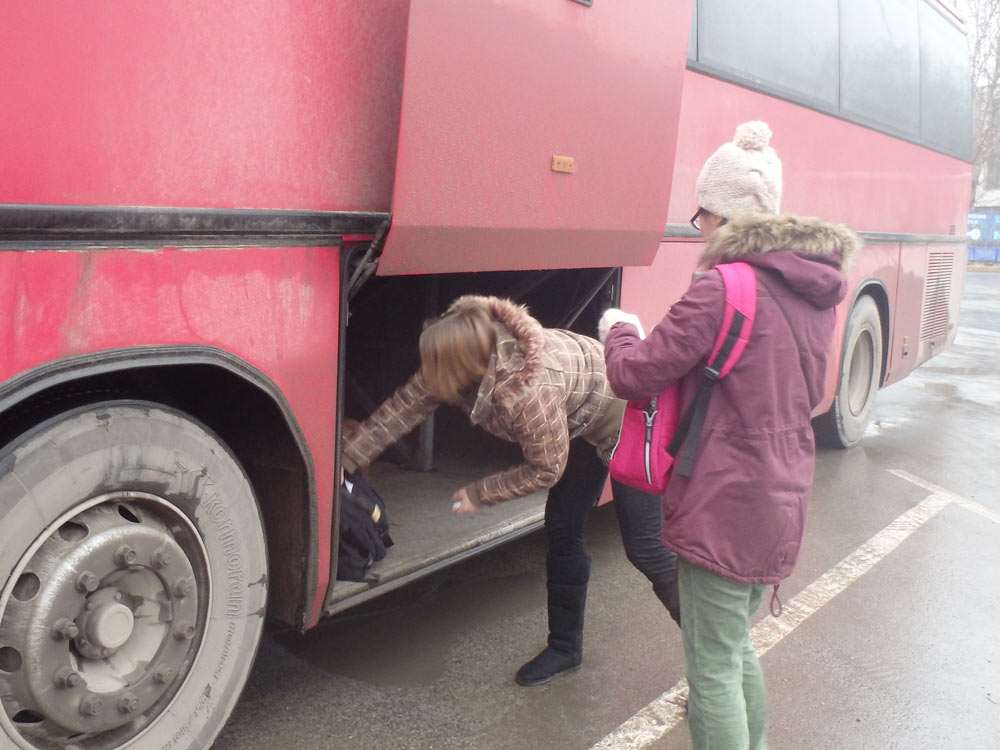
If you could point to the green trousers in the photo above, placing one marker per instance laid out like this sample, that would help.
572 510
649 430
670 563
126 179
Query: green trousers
727 707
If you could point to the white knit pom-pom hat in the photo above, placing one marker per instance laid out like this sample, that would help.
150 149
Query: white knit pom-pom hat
743 176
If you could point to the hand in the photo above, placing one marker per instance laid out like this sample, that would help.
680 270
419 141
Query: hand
613 315
462 503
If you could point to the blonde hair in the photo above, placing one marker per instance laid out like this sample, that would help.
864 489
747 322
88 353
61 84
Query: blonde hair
455 350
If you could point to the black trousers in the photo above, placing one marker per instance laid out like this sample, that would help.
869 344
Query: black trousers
640 518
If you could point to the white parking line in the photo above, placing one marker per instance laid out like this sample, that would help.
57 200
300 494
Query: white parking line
667 711
952 497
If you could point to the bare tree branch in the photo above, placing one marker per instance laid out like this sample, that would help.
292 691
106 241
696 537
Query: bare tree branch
983 21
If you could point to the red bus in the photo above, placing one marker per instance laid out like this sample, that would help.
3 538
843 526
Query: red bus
222 223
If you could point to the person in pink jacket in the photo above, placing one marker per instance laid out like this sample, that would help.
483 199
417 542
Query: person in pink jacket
736 522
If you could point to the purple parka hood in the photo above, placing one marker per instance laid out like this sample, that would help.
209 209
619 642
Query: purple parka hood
795 248
742 511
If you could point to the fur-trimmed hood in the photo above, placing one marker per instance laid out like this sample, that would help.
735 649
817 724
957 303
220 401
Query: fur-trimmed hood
756 234
520 348
810 255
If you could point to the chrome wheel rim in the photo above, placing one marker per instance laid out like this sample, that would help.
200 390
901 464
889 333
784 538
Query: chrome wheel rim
101 621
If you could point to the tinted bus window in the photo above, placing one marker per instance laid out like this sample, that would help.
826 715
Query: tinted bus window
880 62
791 47
898 66
945 84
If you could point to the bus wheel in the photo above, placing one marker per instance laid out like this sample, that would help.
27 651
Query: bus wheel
858 382
133 572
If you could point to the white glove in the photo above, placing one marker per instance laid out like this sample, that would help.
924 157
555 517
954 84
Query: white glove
613 315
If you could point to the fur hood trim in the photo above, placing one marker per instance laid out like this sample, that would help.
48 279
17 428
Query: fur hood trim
520 347
763 233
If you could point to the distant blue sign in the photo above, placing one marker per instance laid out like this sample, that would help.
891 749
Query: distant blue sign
984 226
984 254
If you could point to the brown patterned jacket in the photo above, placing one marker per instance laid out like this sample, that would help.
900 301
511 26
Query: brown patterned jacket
542 388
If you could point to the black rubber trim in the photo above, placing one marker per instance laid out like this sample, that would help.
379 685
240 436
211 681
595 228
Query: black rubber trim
96 224
69 369
674 231
345 264
155 242
891 238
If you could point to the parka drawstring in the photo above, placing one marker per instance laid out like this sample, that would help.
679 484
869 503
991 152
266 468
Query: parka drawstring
775 611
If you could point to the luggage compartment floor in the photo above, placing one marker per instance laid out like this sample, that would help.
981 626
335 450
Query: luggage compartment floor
423 529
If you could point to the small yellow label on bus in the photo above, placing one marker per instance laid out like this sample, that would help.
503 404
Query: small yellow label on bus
565 164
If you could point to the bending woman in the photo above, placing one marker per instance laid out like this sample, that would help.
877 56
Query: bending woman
546 390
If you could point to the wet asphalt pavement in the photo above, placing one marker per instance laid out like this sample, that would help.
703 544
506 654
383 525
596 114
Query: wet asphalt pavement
891 637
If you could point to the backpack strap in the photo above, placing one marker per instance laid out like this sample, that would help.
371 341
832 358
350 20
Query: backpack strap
734 332
737 317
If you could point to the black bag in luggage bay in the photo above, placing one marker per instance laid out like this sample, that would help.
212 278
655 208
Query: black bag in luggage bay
364 530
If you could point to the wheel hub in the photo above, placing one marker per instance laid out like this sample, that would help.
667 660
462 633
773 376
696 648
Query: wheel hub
101 619
105 625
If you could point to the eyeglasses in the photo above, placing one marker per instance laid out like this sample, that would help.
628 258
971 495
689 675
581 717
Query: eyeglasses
696 219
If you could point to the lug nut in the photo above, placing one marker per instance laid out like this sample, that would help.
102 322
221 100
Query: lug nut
163 674
91 705
67 678
125 556
184 632
161 558
65 630
128 704
87 582
183 587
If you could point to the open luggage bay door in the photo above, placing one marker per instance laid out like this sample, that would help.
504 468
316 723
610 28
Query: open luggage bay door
536 134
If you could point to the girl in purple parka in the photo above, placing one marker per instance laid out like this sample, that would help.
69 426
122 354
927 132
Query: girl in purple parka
736 523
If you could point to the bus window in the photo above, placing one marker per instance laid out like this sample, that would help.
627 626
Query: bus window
790 46
944 78
880 63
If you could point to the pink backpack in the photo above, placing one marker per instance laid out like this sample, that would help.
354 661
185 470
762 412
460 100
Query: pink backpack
654 434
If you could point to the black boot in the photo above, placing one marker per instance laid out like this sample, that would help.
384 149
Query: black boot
548 664
567 598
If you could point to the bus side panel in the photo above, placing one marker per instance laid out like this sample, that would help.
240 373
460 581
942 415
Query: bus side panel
493 92
222 104
275 308
832 168
649 291
905 352
873 271
841 172
925 315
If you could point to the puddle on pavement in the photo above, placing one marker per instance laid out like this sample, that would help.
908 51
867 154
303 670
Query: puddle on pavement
395 641
948 390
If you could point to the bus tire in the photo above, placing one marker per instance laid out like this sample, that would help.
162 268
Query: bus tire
134 581
858 381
